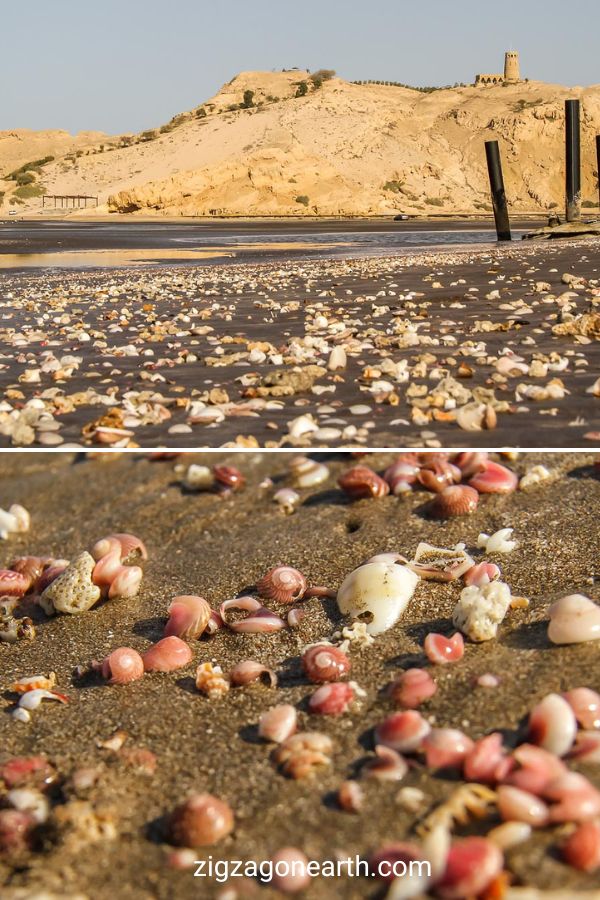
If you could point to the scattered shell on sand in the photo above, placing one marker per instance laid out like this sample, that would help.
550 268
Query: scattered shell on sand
377 594
73 591
480 610
573 620
498 542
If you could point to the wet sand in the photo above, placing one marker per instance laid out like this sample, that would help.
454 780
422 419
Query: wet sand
202 344
215 546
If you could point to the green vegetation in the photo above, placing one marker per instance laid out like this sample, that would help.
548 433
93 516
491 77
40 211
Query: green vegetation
302 89
248 101
24 178
28 191
394 186
200 113
434 201
303 199
150 135
411 87
321 75
34 166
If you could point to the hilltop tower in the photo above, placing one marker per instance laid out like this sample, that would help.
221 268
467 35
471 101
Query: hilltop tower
511 67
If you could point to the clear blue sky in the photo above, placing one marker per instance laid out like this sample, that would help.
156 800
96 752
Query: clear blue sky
126 65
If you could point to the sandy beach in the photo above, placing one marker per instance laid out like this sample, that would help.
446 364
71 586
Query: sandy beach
494 346
114 843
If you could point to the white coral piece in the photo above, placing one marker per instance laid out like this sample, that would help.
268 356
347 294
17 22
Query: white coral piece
498 542
481 609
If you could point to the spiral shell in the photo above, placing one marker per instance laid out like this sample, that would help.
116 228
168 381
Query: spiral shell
455 500
127 545
229 477
361 481
308 473
331 699
211 681
122 666
201 821
110 575
13 584
282 584
188 616
324 663
166 655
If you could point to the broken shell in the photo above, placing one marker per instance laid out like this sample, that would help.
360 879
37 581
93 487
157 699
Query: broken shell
198 478
481 573
350 796
324 662
456 500
377 594
585 703
14 521
475 416
438 474
510 834
494 479
412 687
573 620
446 748
282 584
13 584
32 699
278 723
361 481
582 848
470 462
402 474
30 801
487 761
73 591
441 650
520 806
188 616
498 542
249 671
122 666
166 655
387 765
575 798
537 768
480 610
259 621
15 829
331 699
300 755
33 682
403 731
552 725
439 564
201 821
211 681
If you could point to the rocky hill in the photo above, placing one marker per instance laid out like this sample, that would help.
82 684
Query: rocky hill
286 143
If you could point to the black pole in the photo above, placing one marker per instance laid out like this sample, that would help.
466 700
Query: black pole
573 154
492 154
598 164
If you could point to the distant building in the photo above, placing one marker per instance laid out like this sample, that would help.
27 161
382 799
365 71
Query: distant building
511 71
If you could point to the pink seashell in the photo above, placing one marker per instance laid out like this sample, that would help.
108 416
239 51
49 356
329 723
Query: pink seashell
576 798
15 831
586 747
122 666
50 574
360 481
229 477
552 725
582 849
446 748
320 591
412 687
470 463
520 806
471 866
31 567
248 671
110 575
295 616
392 861
402 474
387 765
278 723
488 680
573 620
290 871
259 621
403 731
538 768
324 662
166 655
128 545
481 573
487 762
201 821
441 650
350 796
188 616
282 584
585 703
437 475
214 623
27 771
456 500
13 584
331 699
494 479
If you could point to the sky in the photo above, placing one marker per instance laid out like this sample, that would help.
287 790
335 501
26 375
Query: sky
127 65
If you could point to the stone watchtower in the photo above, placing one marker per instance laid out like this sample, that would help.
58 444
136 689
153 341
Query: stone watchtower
511 67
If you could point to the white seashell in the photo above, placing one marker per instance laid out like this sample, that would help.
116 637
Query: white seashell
15 520
498 542
594 388
32 699
198 478
480 610
337 359
301 426
552 725
73 591
510 834
28 800
534 476
308 473
573 620
377 593
287 499
21 715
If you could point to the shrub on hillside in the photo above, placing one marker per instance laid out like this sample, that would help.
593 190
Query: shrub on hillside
303 199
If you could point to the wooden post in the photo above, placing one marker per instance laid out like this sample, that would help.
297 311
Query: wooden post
499 203
573 161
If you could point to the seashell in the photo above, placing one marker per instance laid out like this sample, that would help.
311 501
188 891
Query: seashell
248 671
537 768
574 619
412 687
15 831
122 666
472 865
331 699
50 574
15 520
27 771
320 591
515 805
535 476
435 563
585 703
188 616
481 573
487 761
33 683
300 755
446 748
498 542
411 799
73 591
388 558
211 681
30 801
166 655
259 621
575 798
32 699
494 479
290 871
295 616
229 477
441 650
282 584
470 462
13 630
111 576
437 475
480 610
360 482
581 850
392 863
13 584
377 594
586 747
324 662
402 474
350 796
337 359
509 834
31 567
202 820
387 765
456 500
214 623
475 416
403 731
308 473
198 478
488 680
278 723
287 499
552 725
128 546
